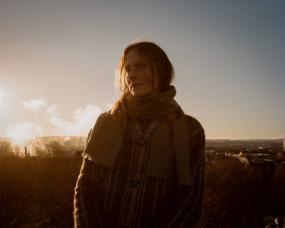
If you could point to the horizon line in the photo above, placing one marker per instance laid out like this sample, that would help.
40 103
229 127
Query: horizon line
207 138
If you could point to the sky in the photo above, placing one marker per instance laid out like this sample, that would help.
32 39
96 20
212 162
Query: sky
58 63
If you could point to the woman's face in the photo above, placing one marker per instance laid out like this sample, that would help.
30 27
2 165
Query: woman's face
140 78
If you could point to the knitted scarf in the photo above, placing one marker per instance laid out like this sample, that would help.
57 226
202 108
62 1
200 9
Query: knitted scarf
107 135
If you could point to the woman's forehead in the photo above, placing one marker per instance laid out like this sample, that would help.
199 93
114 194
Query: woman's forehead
134 56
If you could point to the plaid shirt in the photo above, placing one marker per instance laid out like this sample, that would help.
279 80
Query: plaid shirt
123 196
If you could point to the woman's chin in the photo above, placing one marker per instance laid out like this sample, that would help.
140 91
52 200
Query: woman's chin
143 93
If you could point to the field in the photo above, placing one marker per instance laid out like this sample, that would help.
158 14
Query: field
38 192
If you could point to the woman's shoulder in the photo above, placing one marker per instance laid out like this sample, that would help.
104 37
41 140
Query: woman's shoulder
103 117
105 114
194 125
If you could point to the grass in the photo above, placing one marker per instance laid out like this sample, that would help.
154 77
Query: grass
39 191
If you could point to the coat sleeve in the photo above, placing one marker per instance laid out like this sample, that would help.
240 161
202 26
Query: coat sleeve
85 211
184 210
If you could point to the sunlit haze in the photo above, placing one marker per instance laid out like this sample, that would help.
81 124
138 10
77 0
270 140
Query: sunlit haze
1 97
58 61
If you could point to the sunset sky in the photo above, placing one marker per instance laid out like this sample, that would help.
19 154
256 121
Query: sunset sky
58 62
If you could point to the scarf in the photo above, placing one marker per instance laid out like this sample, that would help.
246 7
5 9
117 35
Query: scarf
107 135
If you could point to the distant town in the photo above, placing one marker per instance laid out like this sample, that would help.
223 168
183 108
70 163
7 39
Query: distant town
248 151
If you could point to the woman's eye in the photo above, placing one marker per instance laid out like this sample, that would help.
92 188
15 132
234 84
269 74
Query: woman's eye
141 66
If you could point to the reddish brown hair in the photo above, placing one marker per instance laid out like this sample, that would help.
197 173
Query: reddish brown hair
160 64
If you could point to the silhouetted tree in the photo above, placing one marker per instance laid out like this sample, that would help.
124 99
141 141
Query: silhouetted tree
55 149
5 148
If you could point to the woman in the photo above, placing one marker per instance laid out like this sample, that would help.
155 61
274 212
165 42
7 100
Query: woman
143 165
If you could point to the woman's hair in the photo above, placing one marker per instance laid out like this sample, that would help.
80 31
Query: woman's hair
161 67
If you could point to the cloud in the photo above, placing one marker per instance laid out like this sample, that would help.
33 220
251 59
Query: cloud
52 109
34 104
82 120
21 132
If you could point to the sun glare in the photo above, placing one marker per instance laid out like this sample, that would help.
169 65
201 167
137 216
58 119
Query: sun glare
1 97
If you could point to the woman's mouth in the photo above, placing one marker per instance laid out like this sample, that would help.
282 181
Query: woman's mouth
137 84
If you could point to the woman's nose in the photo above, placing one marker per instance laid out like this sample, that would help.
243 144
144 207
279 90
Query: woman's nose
132 74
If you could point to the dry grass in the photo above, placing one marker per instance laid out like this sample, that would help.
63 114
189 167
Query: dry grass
39 191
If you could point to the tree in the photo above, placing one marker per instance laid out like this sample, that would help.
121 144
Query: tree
55 149
5 148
